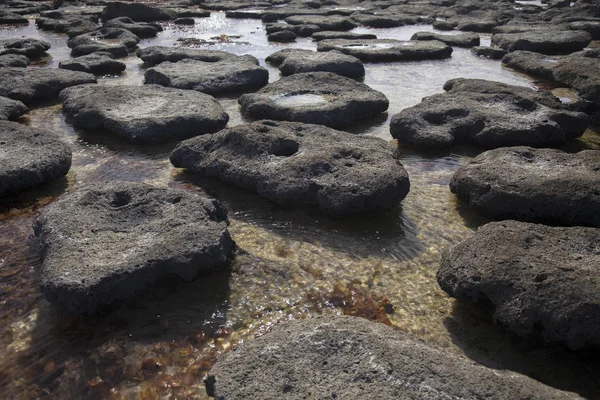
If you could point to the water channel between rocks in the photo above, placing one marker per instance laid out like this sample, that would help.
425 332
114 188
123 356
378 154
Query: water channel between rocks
293 264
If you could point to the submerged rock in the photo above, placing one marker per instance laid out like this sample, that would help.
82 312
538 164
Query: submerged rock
542 281
96 63
31 85
11 109
519 116
157 54
102 245
148 113
348 358
216 78
543 41
28 47
294 62
296 164
536 185
384 50
13 60
460 40
321 98
30 157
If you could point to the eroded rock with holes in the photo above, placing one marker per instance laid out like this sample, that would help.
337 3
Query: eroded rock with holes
295 164
157 54
547 41
542 281
106 244
487 114
321 98
535 185
294 62
143 30
384 50
325 22
148 113
96 63
28 47
343 357
30 157
116 41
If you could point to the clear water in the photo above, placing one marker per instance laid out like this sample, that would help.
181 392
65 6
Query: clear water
299 100
294 264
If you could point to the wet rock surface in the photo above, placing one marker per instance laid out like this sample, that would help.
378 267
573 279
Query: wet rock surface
326 23
347 357
302 30
148 113
543 41
216 78
29 47
136 11
116 41
530 62
157 54
11 109
385 50
321 98
101 245
542 281
284 36
324 35
460 40
33 85
296 164
535 185
96 63
140 29
519 116
13 60
489 52
8 18
30 157
294 62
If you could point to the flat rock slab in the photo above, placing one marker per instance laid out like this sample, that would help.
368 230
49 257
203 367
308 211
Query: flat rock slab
148 113
542 281
325 22
495 53
9 18
543 41
383 50
96 63
389 19
312 61
31 85
116 41
28 47
321 98
534 185
143 30
101 245
324 35
530 62
30 157
157 54
296 164
343 357
11 109
136 11
282 37
581 71
279 56
14 60
460 40
216 78
304 30
487 114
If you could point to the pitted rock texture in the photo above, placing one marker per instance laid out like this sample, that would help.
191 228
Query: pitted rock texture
543 41
294 62
14 60
298 30
106 244
542 281
321 98
148 113
494 53
28 47
11 109
142 30
534 185
284 36
216 78
30 157
296 164
325 22
460 40
136 11
384 50
351 358
31 85
157 54
96 63
116 41
530 62
324 35
487 114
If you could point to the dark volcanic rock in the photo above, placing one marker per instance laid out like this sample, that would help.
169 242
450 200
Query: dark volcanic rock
73 22
32 85
9 18
295 164
282 37
530 62
28 47
581 71
116 41
279 56
460 40
299 30
11 109
330 61
215 78
389 19
344 357
487 114
325 22
142 30
137 12
317 98
101 245
96 63
383 50
30 157
13 60
184 21
543 41
324 35
541 280
534 185
148 113
158 54
494 53
591 27
443 25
